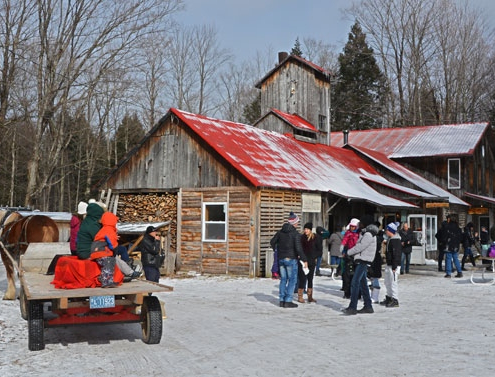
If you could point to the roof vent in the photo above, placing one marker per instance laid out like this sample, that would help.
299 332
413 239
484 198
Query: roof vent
346 136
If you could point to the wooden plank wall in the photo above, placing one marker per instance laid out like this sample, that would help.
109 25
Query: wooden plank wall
231 257
275 208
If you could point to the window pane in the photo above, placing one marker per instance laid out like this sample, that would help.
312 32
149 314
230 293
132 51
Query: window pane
215 231
454 173
214 212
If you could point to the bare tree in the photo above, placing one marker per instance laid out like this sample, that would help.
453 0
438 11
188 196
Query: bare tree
72 38
423 48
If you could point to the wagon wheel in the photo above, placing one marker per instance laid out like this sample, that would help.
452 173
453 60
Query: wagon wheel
151 320
23 304
35 326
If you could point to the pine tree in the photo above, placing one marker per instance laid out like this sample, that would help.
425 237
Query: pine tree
357 99
296 50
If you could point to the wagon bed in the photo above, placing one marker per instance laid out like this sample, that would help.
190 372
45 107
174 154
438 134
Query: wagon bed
43 305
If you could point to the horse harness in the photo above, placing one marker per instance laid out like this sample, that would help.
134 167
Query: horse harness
22 238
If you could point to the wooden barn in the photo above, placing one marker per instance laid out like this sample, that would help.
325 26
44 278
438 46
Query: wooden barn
227 187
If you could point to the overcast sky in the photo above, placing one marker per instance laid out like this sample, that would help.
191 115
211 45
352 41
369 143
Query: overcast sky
245 27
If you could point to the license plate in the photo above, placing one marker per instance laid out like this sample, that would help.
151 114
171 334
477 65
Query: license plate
98 302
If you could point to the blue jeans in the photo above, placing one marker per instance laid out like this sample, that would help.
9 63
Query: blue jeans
318 264
449 255
288 277
122 251
405 259
359 283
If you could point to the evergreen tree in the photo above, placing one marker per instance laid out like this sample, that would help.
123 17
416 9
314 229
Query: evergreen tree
129 133
357 98
252 111
296 50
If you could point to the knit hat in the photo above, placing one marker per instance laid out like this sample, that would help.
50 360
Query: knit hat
81 208
150 229
353 222
392 228
293 218
308 226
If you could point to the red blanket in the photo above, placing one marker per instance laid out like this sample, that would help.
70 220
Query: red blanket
72 272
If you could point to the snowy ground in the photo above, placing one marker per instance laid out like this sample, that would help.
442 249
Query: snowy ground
222 326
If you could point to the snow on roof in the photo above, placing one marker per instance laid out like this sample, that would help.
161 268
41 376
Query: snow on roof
410 176
442 140
295 120
270 159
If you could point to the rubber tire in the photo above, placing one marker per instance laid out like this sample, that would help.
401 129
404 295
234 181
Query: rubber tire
151 320
36 341
23 303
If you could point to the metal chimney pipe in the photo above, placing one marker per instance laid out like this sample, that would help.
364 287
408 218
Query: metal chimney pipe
346 136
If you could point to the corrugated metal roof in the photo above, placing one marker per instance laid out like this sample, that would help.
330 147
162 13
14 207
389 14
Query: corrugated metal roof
424 141
487 199
408 175
270 159
295 120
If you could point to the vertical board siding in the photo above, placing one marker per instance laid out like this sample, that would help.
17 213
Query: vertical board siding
275 209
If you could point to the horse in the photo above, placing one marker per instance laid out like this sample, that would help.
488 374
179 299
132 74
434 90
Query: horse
16 236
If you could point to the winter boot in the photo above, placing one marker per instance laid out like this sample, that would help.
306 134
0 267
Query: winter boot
300 295
107 265
310 295
472 259
375 295
386 301
394 303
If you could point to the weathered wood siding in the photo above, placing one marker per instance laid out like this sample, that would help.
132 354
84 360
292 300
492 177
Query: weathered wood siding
294 88
173 157
275 207
231 257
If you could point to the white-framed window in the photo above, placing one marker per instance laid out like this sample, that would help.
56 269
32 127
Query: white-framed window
454 171
214 222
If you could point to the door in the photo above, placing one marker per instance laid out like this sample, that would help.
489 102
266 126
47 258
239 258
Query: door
424 228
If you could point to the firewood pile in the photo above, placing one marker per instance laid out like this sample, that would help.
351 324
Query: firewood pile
150 208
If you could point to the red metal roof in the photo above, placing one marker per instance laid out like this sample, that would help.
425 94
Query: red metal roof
295 120
424 141
270 159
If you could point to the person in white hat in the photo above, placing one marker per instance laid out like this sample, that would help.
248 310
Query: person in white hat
393 255
75 223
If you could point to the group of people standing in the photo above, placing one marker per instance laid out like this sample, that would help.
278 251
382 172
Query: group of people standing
93 236
360 250
297 258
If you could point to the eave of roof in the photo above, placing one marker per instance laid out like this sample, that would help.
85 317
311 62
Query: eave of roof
317 69
482 198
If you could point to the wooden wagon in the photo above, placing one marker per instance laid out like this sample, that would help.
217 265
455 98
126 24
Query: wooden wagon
43 305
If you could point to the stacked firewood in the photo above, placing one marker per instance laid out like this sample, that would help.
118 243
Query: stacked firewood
150 208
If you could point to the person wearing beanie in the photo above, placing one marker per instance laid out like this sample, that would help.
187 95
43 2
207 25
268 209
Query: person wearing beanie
363 254
312 248
454 239
287 242
150 254
75 224
87 232
393 253
348 242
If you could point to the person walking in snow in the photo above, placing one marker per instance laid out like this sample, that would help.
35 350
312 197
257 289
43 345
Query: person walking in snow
393 255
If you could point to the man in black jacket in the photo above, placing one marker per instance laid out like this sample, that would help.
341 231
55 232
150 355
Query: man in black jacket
150 254
288 243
